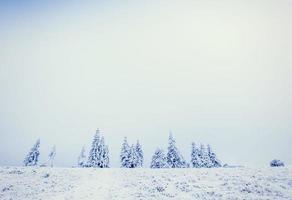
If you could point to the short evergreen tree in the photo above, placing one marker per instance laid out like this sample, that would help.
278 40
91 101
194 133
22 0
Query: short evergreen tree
184 163
174 158
213 158
51 156
206 162
195 157
93 158
32 157
159 159
125 154
140 155
82 158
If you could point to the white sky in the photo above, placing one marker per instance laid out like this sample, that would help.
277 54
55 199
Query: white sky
212 72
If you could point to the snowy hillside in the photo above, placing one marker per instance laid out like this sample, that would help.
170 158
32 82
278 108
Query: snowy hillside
88 183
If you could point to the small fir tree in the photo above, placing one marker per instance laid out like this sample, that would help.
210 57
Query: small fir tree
140 155
93 158
195 157
159 159
51 156
174 158
125 154
184 163
133 158
213 158
206 162
99 155
103 161
32 157
82 158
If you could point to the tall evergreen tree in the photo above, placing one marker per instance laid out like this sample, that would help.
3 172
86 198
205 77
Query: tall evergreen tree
103 161
98 156
93 158
133 158
159 159
106 157
125 154
174 158
140 155
195 157
213 158
82 158
200 156
206 162
32 157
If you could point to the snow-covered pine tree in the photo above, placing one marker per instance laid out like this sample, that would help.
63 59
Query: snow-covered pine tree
103 161
106 157
206 162
32 157
125 154
98 155
133 158
200 156
213 158
82 158
93 158
159 159
140 155
184 163
174 158
195 156
51 156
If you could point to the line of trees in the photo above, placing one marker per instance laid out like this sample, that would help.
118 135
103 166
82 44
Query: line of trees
200 157
32 158
131 156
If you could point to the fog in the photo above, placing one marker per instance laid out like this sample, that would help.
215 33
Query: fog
211 72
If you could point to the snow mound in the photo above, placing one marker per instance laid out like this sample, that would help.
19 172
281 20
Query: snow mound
89 183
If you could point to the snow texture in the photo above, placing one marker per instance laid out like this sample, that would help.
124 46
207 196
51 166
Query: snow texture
30 183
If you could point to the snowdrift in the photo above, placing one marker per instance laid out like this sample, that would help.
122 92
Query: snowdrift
88 183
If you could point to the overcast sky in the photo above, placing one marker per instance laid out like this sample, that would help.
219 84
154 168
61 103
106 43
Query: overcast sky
216 72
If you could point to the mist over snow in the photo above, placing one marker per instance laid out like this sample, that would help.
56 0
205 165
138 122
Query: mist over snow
217 73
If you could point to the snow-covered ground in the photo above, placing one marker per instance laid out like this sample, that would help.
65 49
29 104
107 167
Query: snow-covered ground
76 183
